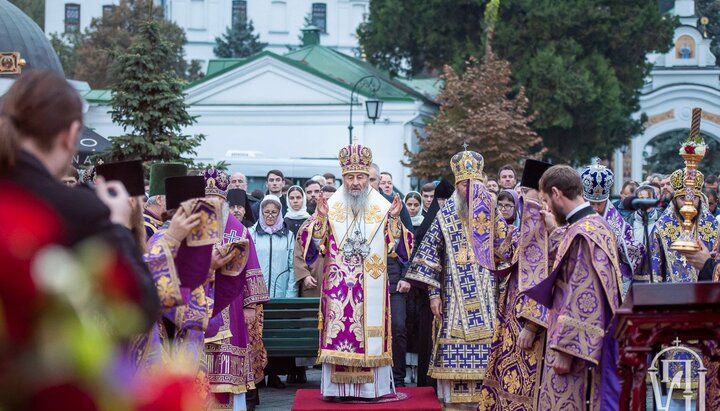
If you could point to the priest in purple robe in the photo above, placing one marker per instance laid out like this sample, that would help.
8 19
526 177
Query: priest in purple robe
237 286
597 183
183 270
512 380
356 229
582 293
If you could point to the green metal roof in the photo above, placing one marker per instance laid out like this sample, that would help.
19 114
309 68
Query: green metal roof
330 65
221 64
97 96
326 63
429 87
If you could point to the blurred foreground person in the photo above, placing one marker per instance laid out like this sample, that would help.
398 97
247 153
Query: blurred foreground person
36 154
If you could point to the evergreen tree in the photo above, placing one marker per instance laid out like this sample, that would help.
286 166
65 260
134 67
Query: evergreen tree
711 10
582 62
478 107
65 46
148 102
239 41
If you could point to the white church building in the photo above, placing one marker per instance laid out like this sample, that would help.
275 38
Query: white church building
278 22
685 77
291 112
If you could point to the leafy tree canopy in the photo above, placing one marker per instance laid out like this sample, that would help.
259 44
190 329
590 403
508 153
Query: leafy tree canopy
89 55
582 62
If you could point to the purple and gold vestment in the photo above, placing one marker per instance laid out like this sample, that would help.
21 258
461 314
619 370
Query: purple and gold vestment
226 338
512 380
446 264
354 319
181 271
582 292
630 252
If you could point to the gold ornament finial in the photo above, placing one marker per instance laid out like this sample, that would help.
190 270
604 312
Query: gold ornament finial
11 63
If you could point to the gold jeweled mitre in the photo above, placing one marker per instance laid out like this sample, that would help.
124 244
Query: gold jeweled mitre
467 165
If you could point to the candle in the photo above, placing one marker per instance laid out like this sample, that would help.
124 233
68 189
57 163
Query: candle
695 127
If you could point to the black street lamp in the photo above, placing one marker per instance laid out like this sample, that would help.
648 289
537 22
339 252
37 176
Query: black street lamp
373 106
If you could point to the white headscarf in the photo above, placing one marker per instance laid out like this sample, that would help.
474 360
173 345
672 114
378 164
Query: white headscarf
302 213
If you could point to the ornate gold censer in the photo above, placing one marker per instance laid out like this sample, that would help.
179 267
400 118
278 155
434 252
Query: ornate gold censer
692 151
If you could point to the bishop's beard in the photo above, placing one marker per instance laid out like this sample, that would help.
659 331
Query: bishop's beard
357 201
461 207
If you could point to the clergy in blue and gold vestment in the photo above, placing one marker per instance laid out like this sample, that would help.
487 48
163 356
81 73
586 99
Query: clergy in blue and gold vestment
582 293
597 183
462 294
668 265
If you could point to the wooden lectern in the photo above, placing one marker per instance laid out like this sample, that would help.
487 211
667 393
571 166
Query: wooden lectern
657 314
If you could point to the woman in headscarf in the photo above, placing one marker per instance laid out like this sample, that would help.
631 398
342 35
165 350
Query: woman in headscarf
274 244
419 317
413 202
297 209
507 201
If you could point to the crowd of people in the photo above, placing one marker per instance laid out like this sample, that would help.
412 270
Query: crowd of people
499 291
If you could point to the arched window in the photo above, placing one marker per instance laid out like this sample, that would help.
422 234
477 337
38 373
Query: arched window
685 47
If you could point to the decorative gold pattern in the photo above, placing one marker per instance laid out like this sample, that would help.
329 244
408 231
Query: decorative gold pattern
375 266
11 63
677 181
659 118
338 213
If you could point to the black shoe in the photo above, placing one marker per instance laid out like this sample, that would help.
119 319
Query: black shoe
292 378
273 381
301 377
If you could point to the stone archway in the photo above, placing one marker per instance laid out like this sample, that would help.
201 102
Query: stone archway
710 126
668 108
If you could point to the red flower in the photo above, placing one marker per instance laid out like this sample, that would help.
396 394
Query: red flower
61 397
689 150
26 226
169 393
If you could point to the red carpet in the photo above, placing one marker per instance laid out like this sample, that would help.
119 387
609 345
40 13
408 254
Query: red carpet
421 399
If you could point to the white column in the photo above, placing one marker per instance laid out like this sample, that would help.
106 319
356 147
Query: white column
637 158
618 171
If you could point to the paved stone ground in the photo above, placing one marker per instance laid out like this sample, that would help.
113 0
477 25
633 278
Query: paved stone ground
272 399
